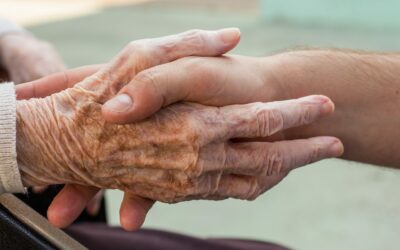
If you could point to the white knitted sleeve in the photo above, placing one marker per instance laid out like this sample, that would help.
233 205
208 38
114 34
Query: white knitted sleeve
10 178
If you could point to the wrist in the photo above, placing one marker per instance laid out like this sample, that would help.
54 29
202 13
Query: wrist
282 76
49 147
34 141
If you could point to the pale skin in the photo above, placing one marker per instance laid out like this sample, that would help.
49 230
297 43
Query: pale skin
195 137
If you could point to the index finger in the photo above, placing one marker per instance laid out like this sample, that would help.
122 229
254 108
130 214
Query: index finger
54 83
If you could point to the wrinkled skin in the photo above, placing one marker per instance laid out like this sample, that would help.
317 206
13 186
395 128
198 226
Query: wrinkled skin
183 152
24 58
137 55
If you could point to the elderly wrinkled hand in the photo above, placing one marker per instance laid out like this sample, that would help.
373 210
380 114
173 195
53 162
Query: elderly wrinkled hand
183 152
137 56
180 153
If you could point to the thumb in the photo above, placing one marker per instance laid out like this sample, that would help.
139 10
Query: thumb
198 43
147 53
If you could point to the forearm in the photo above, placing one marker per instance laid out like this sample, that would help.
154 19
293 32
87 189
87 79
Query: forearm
34 139
364 87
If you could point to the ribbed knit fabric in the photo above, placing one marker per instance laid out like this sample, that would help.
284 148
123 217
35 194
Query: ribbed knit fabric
10 178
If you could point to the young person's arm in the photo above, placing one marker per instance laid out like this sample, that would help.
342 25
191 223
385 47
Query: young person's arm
365 88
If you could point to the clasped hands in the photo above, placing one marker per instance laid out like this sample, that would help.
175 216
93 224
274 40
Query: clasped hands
168 119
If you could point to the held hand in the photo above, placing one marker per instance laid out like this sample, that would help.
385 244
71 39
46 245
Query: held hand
45 87
133 208
71 201
26 58
181 153
214 81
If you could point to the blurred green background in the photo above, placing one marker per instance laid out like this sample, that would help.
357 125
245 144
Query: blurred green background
378 14
330 205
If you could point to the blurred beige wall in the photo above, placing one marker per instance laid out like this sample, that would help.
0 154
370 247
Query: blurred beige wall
32 12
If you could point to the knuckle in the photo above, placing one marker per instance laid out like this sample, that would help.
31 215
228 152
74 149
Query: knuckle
272 163
254 190
202 186
269 121
167 47
307 114
135 45
148 77
194 37
135 50
208 124
132 48
192 32
192 41
315 153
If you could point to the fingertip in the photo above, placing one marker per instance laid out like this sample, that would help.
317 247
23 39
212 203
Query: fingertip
69 204
337 148
230 37
132 217
133 212
325 104
52 216
57 213
334 146
131 220
328 106
133 103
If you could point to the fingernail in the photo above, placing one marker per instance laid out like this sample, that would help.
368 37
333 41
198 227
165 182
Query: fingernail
229 35
317 99
120 103
326 106
336 148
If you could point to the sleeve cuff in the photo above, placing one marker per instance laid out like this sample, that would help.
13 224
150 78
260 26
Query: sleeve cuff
10 177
